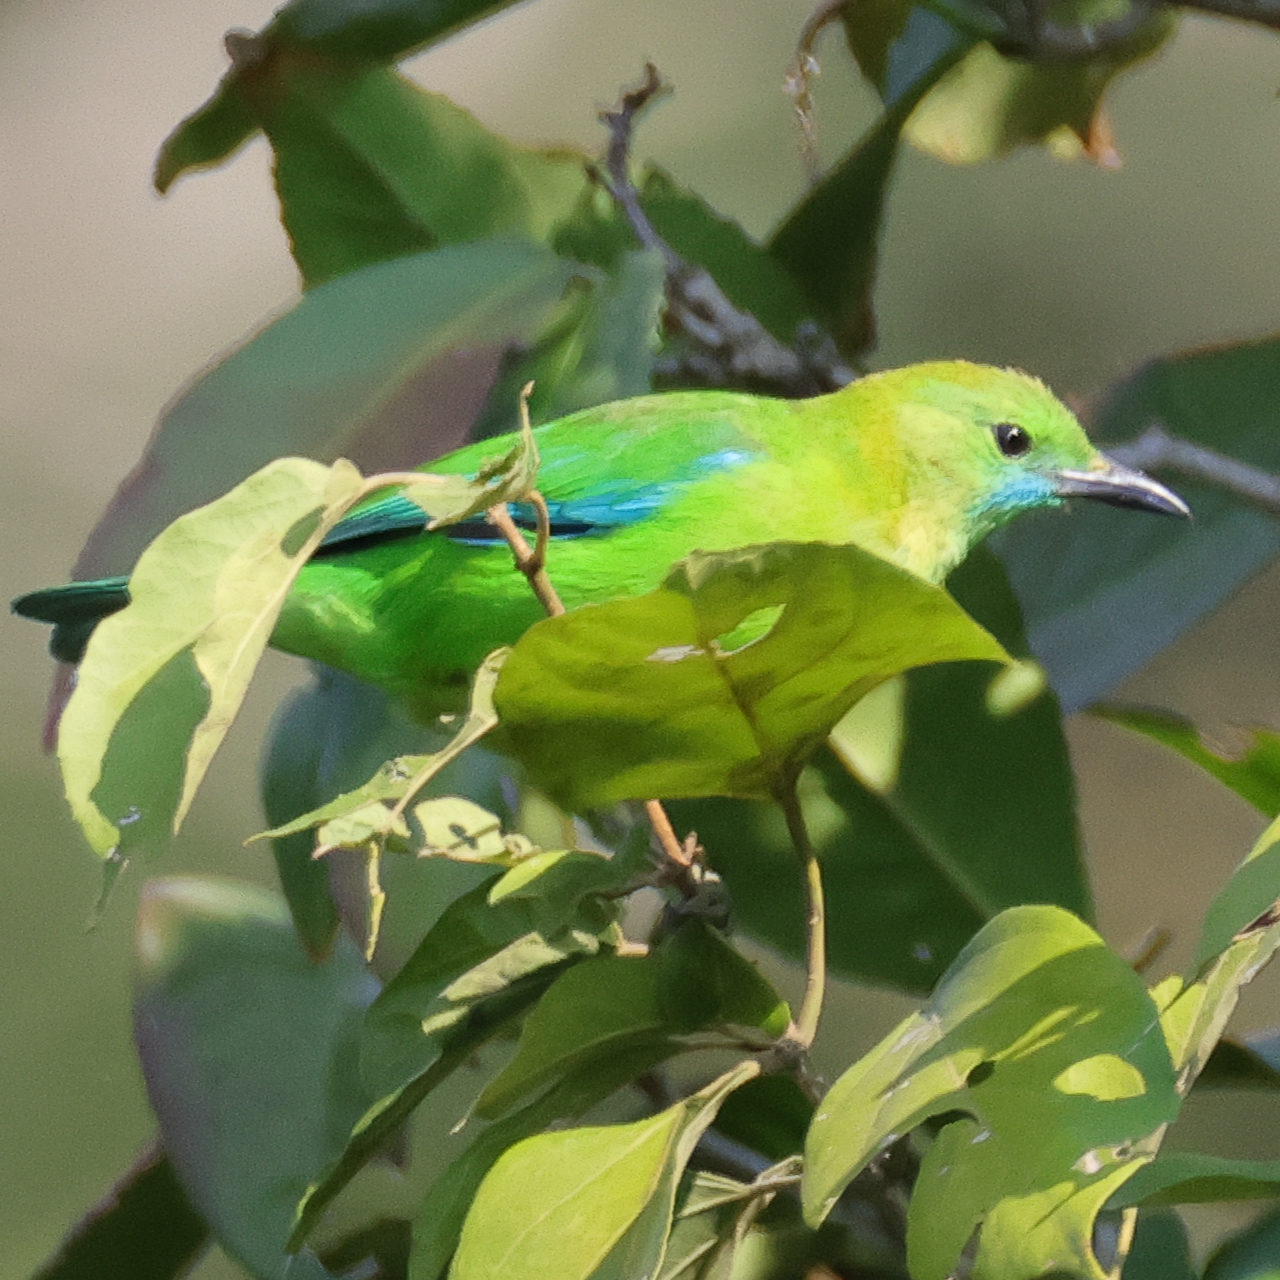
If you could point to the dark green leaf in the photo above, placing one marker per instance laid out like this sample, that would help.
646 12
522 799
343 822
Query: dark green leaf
144 1229
1253 774
1241 1064
1160 1249
770 1115
382 29
739 710
829 242
1075 1087
345 373
1250 1255
455 1041
369 166
1183 1178
478 948
922 831
1105 591
249 1051
750 276
1245 903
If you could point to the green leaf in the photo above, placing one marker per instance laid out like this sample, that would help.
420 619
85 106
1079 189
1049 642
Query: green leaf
378 28
1247 1063
369 166
205 596
145 1228
567 1203
439 1221
476 948
750 276
454 1042
1048 1044
344 373
1185 1178
989 103
327 737
248 1048
613 1005
598 1009
829 242
354 29
578 694
1253 774
364 810
1244 904
922 837
1160 1249
1250 1255
1105 591
208 136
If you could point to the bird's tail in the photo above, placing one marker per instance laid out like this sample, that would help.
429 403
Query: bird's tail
74 611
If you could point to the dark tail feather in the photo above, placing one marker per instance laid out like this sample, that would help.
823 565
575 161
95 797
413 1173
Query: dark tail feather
74 611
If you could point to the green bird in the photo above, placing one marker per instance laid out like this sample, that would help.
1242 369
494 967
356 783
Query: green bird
914 464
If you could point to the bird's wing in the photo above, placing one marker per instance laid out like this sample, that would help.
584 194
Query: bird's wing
597 473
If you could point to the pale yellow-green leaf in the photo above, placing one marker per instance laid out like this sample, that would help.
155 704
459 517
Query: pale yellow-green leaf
205 596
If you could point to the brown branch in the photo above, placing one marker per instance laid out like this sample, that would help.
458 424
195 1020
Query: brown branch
732 346
1157 450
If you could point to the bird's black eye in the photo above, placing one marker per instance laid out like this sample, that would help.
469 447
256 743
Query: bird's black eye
1012 440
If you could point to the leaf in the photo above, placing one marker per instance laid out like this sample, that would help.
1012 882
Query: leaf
1244 904
1249 1255
990 103
751 277
613 1005
921 832
1048 1044
1160 1249
454 1043
205 596
563 1203
345 372
378 28
347 28
145 1228
208 136
829 242
1254 774
1184 1178
369 166
400 777
1252 1062
578 694
1104 591
523 934
327 737
248 1048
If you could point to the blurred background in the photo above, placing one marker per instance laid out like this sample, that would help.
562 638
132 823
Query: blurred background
113 299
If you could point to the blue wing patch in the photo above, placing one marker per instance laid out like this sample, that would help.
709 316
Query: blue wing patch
612 505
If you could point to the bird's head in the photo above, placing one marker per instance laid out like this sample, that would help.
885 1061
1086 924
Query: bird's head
998 442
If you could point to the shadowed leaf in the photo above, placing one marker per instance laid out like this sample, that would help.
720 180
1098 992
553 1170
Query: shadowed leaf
248 1048
1103 592
369 367
145 1229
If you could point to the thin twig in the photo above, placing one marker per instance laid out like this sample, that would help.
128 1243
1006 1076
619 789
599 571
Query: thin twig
799 83
678 852
804 1027
735 348
1157 450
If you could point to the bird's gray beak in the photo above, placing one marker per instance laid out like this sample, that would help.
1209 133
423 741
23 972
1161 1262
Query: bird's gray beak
1121 486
